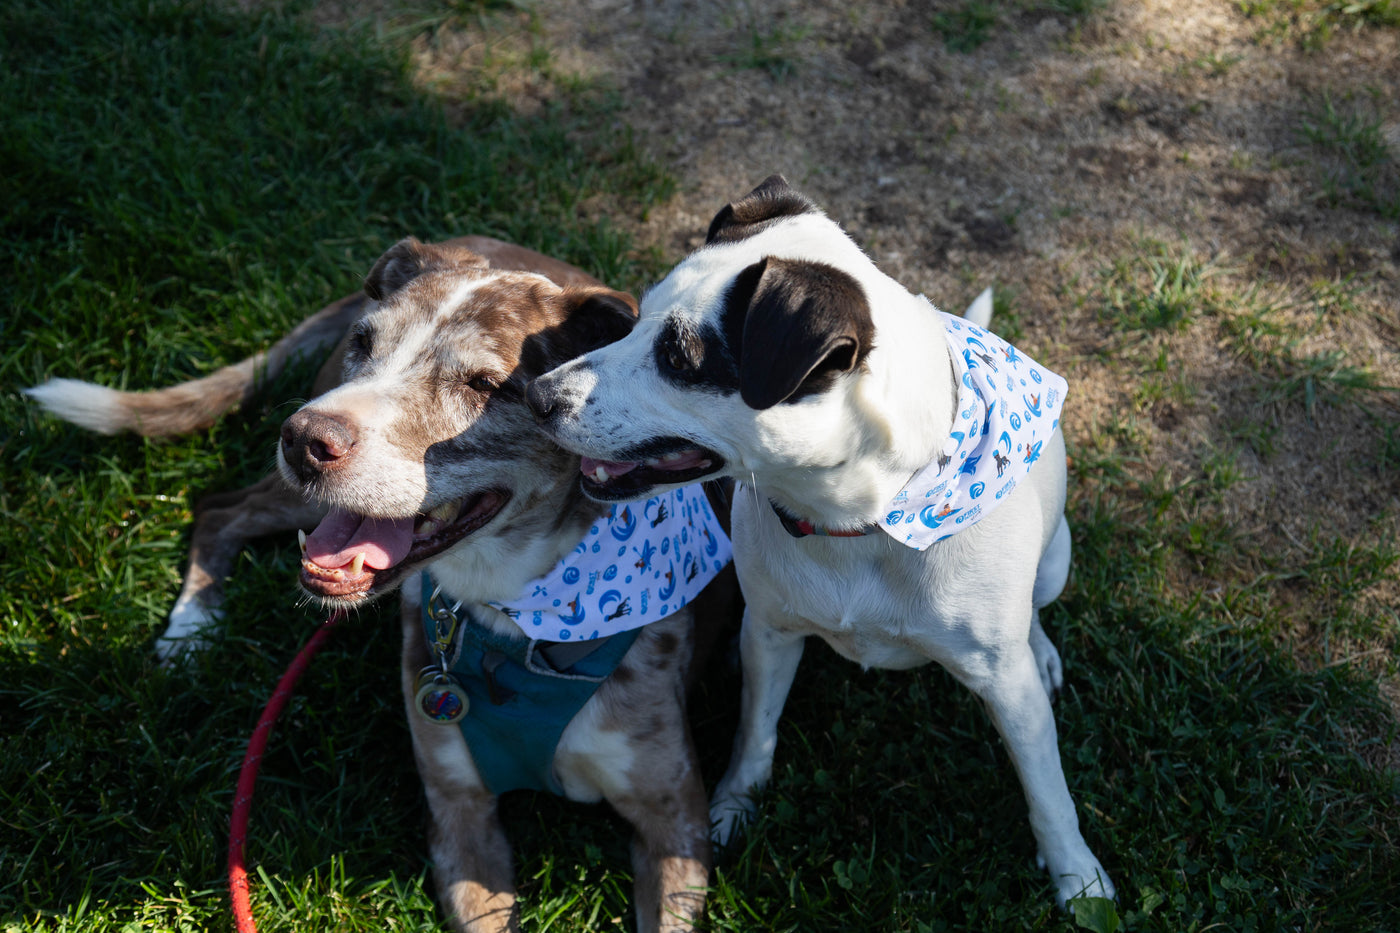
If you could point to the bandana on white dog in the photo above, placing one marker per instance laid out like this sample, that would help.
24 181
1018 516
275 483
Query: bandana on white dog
1008 406
639 564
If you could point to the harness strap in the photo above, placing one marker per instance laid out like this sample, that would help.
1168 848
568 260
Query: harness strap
521 695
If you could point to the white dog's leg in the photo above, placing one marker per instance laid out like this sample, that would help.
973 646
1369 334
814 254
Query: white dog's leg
770 660
1051 574
1047 659
1021 712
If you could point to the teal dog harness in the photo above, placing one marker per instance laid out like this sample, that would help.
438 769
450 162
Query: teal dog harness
514 695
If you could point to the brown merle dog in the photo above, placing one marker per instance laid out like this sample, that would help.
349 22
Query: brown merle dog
419 451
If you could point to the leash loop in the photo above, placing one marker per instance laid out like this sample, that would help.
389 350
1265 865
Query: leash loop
445 622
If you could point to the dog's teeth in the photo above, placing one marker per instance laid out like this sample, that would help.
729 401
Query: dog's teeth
357 566
601 475
301 540
445 512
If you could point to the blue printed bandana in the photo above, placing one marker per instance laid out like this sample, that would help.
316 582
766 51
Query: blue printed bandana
640 563
1008 406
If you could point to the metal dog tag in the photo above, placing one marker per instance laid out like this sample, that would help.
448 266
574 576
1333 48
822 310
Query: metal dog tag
440 698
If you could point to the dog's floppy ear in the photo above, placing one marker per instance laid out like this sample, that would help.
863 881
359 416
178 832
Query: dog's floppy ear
598 316
806 323
592 317
409 258
772 200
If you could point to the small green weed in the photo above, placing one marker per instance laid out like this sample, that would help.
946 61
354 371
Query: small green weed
968 26
773 51
1157 290
1212 63
1254 324
1314 379
1311 23
1360 170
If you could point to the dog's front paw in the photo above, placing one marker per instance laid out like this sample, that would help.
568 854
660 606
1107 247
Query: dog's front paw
190 625
729 812
1088 880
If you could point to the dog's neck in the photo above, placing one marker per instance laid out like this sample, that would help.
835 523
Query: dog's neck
518 548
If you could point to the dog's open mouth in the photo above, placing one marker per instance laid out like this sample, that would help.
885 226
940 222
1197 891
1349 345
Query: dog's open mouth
670 462
348 554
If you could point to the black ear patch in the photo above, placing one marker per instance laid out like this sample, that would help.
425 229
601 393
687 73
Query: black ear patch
409 258
807 323
593 317
598 317
773 200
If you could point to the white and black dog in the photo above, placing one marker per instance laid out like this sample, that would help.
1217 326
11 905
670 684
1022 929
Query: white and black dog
902 474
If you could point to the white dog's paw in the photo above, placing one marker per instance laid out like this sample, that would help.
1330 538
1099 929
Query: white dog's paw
729 813
1047 662
1086 880
190 625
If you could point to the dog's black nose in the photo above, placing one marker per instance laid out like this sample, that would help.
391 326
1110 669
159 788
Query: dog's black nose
540 400
313 442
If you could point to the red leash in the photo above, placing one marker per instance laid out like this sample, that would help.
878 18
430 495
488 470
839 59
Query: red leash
248 776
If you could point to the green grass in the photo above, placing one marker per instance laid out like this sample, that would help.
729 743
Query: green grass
180 182
1156 290
773 51
967 25
1312 23
1359 170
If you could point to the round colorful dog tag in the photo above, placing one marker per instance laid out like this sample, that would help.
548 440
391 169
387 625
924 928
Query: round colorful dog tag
440 698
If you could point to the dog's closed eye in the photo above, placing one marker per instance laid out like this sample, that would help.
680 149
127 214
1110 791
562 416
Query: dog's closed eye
361 343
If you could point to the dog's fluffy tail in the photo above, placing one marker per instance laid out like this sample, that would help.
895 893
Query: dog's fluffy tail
980 311
193 405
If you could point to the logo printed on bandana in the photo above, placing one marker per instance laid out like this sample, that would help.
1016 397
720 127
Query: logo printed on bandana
672 547
1002 394
623 525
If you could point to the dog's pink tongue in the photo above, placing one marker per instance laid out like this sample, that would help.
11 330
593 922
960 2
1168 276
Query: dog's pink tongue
588 466
342 535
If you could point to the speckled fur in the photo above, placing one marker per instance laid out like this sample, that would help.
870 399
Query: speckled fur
401 385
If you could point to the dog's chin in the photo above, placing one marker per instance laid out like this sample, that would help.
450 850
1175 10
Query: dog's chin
352 586
664 464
